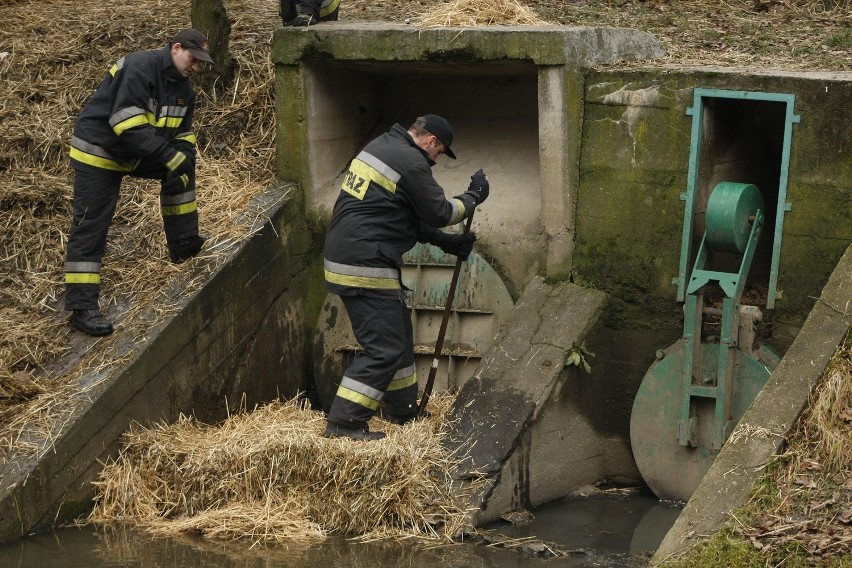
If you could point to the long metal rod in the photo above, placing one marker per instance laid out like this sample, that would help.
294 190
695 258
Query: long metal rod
439 344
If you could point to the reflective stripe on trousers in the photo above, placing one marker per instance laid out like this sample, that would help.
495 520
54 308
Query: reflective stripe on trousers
96 193
383 373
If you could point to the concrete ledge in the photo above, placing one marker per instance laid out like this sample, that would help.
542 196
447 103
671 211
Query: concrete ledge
544 45
221 343
729 481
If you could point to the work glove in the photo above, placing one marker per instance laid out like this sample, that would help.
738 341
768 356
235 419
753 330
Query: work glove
478 188
174 185
181 164
459 245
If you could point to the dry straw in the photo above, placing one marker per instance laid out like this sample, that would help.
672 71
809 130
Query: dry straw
45 83
270 475
474 13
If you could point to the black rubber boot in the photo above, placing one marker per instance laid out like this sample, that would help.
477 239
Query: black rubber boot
300 21
337 431
185 249
91 322
402 419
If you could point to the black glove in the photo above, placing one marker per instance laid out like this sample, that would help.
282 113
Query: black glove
182 163
460 245
174 185
478 188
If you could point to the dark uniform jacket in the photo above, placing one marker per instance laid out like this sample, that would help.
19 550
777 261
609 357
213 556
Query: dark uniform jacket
143 108
388 202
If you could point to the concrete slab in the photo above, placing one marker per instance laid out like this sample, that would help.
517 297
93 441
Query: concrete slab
761 433
504 405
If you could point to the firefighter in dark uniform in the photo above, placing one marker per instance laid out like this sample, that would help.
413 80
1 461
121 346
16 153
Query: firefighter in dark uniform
137 123
303 13
388 202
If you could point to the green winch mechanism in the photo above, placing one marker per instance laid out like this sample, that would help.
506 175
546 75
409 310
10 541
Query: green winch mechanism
693 395
695 392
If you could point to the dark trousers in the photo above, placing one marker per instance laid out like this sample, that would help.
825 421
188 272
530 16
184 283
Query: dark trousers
95 197
291 8
382 373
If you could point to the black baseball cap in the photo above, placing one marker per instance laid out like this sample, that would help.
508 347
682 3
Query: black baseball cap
438 126
195 42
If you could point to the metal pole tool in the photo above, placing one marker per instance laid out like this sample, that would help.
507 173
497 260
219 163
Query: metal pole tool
439 344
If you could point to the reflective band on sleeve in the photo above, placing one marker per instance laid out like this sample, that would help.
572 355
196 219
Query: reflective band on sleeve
458 210
359 393
127 113
187 137
129 123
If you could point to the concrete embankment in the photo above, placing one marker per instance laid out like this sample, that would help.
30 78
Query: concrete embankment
241 334
761 433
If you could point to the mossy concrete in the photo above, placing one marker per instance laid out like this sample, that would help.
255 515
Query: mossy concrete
762 431
629 219
343 82
241 338
635 153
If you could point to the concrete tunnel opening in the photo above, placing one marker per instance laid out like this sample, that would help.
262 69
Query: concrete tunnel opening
493 108
742 141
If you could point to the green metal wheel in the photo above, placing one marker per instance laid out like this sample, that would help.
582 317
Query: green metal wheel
671 470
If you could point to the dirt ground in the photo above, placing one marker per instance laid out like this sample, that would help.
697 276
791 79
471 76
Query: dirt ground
812 35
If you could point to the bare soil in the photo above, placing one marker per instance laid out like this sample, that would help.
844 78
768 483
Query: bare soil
812 35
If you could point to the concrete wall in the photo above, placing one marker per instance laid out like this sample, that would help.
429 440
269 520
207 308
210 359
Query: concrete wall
588 166
635 157
512 94
243 333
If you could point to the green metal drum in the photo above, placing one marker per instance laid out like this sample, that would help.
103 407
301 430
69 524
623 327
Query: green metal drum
728 211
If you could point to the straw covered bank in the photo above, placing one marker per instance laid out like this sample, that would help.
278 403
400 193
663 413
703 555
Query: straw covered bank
270 475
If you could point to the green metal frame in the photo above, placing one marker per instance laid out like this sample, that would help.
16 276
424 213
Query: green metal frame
696 111
721 387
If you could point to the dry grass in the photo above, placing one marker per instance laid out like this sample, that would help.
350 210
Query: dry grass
45 84
269 475
807 499
473 13
800 513
813 35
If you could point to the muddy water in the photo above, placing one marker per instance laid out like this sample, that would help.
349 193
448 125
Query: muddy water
598 531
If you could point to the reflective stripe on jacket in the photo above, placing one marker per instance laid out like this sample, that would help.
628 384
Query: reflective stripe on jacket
142 105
